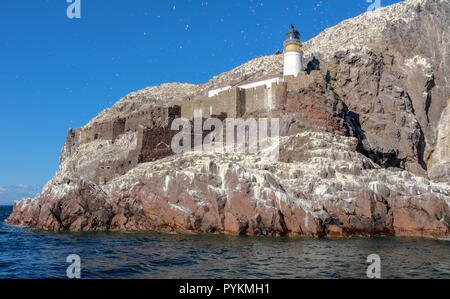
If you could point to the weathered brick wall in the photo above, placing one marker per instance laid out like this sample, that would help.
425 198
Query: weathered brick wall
118 128
111 130
149 118
108 170
155 143
103 131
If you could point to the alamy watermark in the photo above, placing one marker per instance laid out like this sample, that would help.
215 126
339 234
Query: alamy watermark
241 136
374 269
374 7
74 270
74 9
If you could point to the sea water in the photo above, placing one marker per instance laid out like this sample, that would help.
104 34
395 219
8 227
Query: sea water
31 253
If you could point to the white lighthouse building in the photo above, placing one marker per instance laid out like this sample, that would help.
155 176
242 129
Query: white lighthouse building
293 71
293 54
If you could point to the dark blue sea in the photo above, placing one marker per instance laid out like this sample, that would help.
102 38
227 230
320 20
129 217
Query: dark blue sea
31 253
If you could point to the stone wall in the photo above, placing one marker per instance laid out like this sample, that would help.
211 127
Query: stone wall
153 143
231 102
262 99
152 127
303 80
107 170
237 102
111 130
151 118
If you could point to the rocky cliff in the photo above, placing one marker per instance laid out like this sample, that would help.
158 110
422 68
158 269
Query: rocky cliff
365 148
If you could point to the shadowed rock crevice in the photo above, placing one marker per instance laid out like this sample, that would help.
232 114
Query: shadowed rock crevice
313 65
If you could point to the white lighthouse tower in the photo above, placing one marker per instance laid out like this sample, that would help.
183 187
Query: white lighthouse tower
293 54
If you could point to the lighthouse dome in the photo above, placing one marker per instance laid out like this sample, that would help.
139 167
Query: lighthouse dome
292 36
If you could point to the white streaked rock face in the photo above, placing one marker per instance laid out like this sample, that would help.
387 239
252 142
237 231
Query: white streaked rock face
440 158
371 28
320 186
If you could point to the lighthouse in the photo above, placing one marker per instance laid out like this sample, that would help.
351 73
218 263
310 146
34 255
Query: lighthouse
293 54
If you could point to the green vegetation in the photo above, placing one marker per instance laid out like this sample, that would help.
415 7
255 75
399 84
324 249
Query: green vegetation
301 90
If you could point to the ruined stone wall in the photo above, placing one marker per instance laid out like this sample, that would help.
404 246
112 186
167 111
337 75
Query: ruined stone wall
103 131
152 128
111 130
99 131
109 169
151 118
118 128
152 144
155 143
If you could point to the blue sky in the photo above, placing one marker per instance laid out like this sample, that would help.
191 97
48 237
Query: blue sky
57 73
